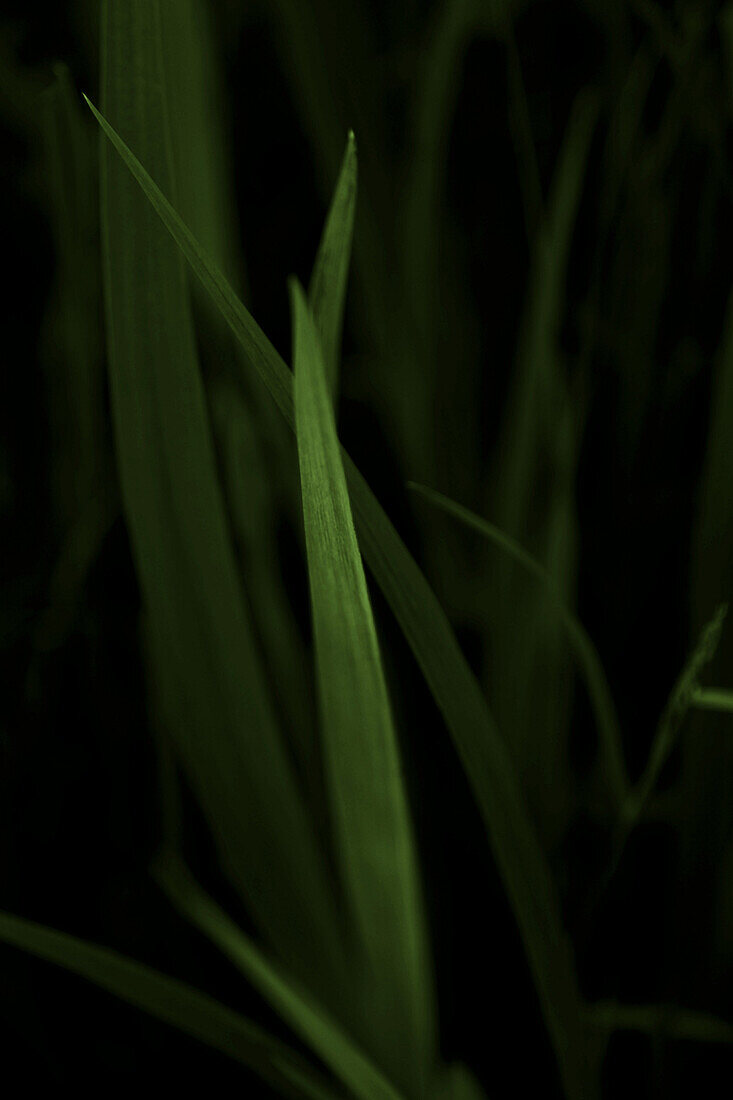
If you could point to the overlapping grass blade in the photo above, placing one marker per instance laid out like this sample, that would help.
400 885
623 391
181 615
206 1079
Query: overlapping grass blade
520 861
587 656
378 859
198 141
532 500
659 1021
327 289
221 717
713 699
681 699
73 344
253 445
172 1001
297 1008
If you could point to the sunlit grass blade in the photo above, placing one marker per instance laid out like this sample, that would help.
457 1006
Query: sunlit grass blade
297 1008
680 700
378 859
171 1001
586 654
520 861
222 720
327 289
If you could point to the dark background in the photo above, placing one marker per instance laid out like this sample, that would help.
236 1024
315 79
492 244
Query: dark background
644 314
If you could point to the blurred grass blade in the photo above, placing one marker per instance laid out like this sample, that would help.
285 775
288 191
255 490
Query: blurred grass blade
458 1083
198 141
372 821
533 501
72 340
599 691
327 290
306 1018
713 699
171 1001
520 862
222 719
678 704
659 1021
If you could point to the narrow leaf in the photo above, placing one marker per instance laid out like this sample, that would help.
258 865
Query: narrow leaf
590 663
327 290
171 1001
373 828
713 699
663 1021
520 861
297 1008
219 711
673 715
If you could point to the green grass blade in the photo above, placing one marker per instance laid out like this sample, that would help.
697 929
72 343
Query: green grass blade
222 719
82 495
327 289
587 656
533 501
170 1001
369 802
199 145
521 864
674 713
458 1083
300 1011
659 1021
713 699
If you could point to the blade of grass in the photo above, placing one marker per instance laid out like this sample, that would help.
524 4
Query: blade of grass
221 720
373 829
460 1084
170 1000
532 500
670 723
199 145
73 340
713 699
297 1008
663 1021
520 861
327 289
590 663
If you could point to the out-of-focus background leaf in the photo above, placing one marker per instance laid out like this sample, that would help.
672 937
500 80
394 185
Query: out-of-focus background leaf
538 325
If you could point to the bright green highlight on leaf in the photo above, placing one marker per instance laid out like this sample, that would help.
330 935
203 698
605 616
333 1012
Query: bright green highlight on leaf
377 852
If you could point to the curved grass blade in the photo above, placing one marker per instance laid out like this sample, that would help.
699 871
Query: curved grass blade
519 859
327 289
221 716
172 1001
378 859
304 1015
599 691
